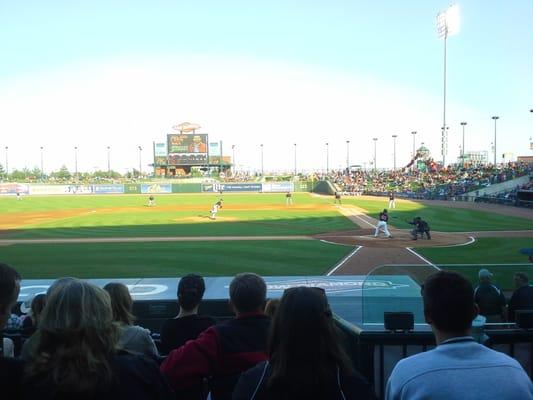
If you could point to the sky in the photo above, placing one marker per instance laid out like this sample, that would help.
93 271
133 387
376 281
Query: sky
278 73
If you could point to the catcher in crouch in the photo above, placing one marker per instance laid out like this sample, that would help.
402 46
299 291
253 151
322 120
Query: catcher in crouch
420 227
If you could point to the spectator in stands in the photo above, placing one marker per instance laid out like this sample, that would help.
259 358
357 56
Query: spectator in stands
522 298
29 325
458 368
271 307
29 345
489 298
306 358
133 338
187 325
75 352
224 350
10 369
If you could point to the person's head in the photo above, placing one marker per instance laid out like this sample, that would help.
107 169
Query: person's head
449 303
271 307
484 275
385 211
37 306
58 284
247 293
9 291
521 279
303 341
191 289
121 302
76 336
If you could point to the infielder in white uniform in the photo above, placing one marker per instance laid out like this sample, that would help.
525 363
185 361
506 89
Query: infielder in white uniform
392 200
382 224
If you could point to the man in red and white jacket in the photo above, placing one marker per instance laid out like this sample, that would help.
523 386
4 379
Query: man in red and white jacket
224 350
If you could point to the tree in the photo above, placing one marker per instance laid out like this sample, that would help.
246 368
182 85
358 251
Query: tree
63 173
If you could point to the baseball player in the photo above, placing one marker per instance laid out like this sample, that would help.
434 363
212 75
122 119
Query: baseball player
214 210
288 199
419 227
151 201
337 198
392 201
382 224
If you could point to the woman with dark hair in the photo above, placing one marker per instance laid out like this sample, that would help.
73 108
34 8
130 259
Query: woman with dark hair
75 354
306 359
30 323
187 325
132 338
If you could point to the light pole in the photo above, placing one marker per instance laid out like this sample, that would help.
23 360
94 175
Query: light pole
447 24
75 161
463 124
394 143
7 161
495 118
262 162
348 156
233 157
295 169
327 158
375 153
42 164
140 161
109 161
414 143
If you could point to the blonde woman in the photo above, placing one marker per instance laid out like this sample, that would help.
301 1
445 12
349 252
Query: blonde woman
76 353
132 338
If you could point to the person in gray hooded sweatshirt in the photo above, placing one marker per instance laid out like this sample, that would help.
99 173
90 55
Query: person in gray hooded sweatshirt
133 338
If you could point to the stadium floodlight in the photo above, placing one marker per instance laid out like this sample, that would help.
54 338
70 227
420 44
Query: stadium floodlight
327 158
394 151
463 124
262 162
7 161
140 161
233 156
448 23
375 152
495 118
295 169
75 161
42 168
348 156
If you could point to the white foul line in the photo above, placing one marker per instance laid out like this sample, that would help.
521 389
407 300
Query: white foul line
422 258
341 263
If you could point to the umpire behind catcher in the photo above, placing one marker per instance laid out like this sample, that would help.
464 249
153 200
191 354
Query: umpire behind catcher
420 227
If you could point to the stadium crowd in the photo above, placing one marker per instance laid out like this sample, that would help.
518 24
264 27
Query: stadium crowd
85 346
433 183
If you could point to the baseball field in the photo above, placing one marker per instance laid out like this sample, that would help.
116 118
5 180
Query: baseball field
119 236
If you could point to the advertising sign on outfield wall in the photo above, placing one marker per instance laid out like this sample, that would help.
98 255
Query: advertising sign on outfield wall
13 188
231 187
61 189
108 189
156 188
132 188
278 187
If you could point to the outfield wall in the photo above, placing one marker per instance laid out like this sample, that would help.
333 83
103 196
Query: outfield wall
11 189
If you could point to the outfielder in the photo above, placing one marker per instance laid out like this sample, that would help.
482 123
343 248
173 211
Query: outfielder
382 224
214 210
288 199
337 198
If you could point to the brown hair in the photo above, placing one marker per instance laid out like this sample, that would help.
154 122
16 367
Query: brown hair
121 302
74 341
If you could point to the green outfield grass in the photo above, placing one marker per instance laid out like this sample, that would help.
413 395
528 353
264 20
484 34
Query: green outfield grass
171 259
440 218
174 215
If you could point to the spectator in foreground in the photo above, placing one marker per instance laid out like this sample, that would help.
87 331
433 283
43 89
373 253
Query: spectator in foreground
10 369
489 298
187 325
458 368
30 323
133 338
75 352
306 359
522 298
224 350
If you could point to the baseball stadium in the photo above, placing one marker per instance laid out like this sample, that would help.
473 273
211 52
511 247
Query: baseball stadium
148 258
